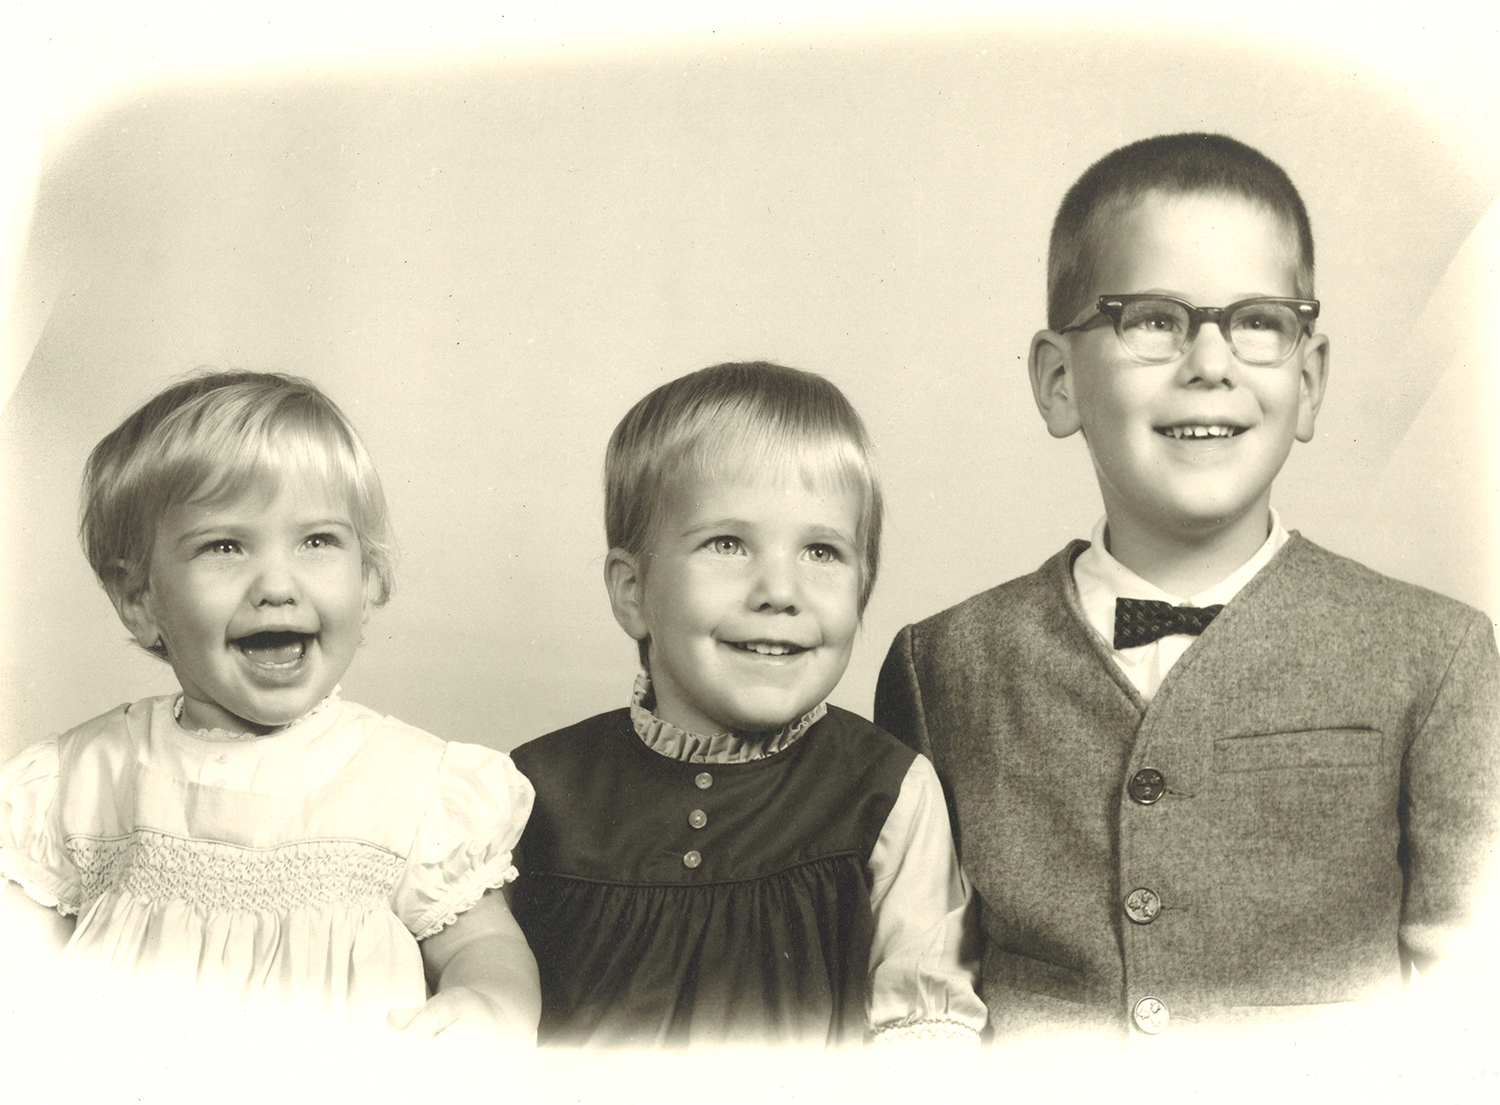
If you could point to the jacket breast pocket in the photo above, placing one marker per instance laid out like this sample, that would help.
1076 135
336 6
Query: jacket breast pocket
1351 746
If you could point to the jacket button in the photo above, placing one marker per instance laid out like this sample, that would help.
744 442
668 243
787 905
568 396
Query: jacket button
703 780
697 819
1150 1016
692 859
1147 785
1142 905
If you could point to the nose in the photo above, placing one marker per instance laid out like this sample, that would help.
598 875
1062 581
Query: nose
1210 360
776 588
275 583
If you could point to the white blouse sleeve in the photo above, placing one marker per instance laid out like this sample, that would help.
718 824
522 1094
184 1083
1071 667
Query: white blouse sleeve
463 845
31 840
920 986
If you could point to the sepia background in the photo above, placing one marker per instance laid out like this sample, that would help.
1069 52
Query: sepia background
486 255
486 229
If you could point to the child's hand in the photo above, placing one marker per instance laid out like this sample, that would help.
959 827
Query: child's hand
483 975
461 1006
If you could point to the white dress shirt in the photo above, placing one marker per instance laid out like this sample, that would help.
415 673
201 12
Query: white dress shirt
1101 579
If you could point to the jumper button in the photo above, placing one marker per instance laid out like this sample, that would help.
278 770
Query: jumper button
692 859
1150 1016
1147 785
703 780
1142 905
697 819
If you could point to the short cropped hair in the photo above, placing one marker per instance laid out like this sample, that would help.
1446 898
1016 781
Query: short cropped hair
1175 164
213 436
732 418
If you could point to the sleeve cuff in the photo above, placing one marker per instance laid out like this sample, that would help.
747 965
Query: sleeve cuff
461 899
925 1031
34 885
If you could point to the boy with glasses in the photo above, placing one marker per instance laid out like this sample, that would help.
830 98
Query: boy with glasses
1199 767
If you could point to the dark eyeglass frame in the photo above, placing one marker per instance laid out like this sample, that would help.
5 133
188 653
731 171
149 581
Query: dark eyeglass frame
1113 307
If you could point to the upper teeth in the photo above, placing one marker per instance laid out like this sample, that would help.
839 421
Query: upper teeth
1199 431
767 649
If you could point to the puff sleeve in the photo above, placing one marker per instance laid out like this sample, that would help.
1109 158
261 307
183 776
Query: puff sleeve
31 838
922 976
462 847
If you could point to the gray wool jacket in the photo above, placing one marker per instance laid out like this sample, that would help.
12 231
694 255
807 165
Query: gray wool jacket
1297 817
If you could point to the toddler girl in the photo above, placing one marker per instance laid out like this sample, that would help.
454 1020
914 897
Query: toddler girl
255 835
730 859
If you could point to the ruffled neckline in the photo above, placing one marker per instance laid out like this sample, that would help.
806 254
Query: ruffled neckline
227 736
667 740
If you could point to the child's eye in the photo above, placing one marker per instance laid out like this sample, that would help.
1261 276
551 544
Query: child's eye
725 546
323 541
823 554
1157 323
220 546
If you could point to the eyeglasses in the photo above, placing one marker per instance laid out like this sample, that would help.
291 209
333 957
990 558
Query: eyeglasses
1158 328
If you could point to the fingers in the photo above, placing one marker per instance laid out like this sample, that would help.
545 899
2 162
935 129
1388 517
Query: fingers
458 1012
422 1021
442 1012
400 1018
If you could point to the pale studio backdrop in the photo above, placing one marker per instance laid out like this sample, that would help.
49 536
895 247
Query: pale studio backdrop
487 268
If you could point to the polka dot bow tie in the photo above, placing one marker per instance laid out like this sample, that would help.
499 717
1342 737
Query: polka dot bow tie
1141 621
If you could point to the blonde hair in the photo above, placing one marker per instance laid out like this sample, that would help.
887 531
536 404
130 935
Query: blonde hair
727 419
209 438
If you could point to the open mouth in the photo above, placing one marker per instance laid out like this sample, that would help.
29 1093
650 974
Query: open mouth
277 648
767 648
1199 433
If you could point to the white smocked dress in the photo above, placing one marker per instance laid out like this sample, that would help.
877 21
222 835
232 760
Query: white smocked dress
306 863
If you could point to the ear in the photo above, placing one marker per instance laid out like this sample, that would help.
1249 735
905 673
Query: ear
625 582
136 610
1314 380
1052 383
372 592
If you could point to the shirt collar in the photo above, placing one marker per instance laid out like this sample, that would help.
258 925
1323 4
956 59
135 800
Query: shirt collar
722 748
1101 579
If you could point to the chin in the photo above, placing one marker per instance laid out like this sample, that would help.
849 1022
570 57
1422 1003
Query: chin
766 720
274 717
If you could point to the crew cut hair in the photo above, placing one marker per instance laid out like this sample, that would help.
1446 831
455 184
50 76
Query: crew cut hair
209 438
730 419
1174 164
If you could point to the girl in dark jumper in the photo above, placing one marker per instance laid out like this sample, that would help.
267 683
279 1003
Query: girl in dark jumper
729 859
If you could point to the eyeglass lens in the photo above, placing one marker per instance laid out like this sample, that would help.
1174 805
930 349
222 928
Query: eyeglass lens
1259 333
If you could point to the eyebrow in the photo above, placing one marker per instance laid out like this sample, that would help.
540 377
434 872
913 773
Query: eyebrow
832 532
327 523
817 532
1239 297
713 525
235 529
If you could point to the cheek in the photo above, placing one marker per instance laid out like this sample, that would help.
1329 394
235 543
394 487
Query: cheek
181 612
1288 396
841 609
1098 411
663 612
686 595
349 587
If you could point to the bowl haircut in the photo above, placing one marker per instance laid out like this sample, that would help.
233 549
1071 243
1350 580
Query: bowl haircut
729 421
1174 165
210 439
